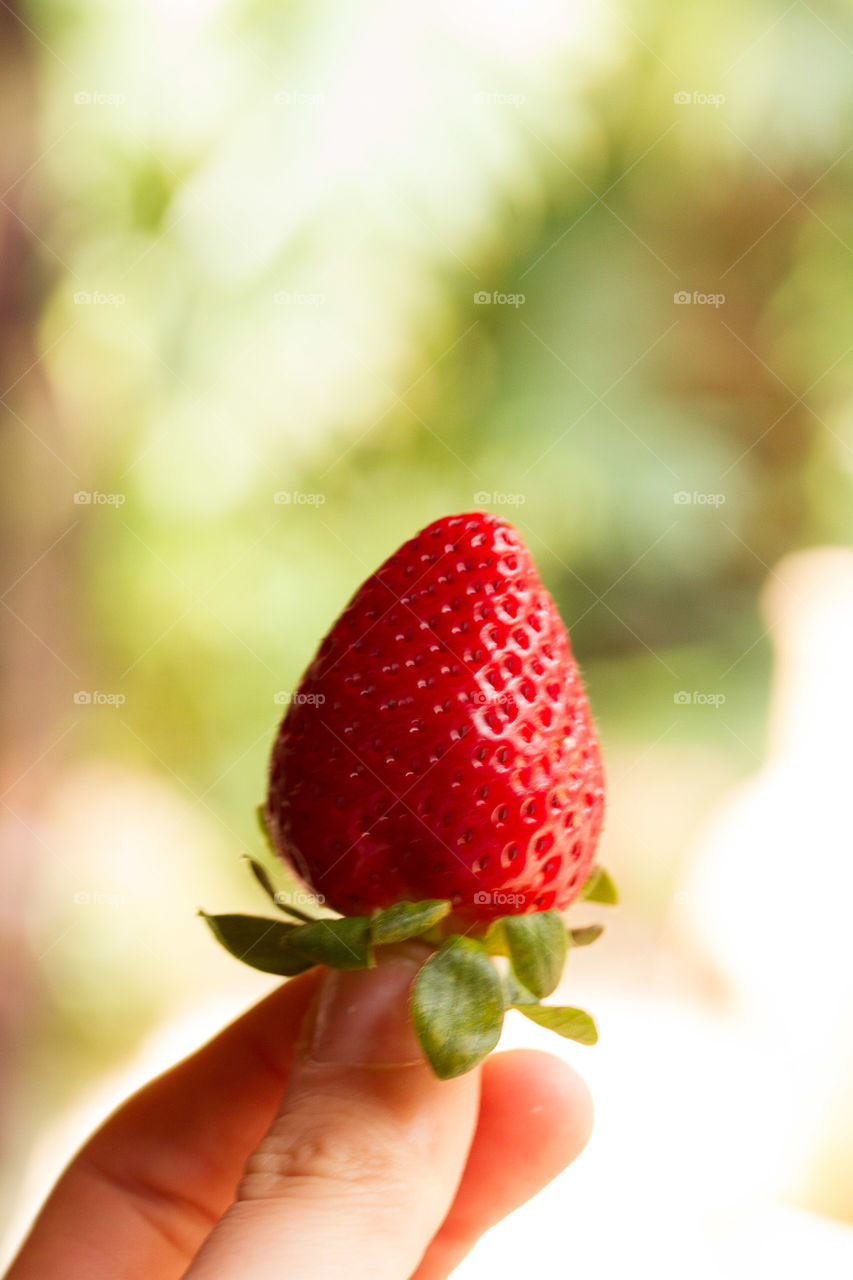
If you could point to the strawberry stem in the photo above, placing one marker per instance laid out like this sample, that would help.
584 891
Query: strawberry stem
294 911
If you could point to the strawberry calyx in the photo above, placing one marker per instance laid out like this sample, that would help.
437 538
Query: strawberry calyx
474 974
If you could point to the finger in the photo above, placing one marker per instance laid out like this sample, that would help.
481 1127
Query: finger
143 1193
140 1197
535 1119
360 1167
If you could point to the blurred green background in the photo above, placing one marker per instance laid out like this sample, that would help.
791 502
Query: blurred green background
283 283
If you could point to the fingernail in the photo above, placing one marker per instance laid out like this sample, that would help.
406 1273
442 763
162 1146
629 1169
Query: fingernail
363 1019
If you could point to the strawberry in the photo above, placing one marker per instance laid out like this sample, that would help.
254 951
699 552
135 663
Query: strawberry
437 775
440 743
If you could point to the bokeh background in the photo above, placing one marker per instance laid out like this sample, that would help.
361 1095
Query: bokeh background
282 283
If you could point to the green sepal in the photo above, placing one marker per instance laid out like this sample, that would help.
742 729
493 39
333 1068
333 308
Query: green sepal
537 949
408 920
515 994
262 878
259 942
572 1024
339 942
286 909
585 936
457 1007
494 939
275 896
598 887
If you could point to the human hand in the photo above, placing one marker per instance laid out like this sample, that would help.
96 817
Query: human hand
369 1167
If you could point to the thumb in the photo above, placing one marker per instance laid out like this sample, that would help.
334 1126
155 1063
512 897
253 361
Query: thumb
362 1162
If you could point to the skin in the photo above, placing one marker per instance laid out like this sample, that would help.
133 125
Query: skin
310 1138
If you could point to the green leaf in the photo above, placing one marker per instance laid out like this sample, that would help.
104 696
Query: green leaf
264 944
515 993
495 939
583 937
537 948
408 920
599 888
573 1024
340 942
457 1007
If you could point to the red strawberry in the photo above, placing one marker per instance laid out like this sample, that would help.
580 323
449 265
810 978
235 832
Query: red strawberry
437 777
440 744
